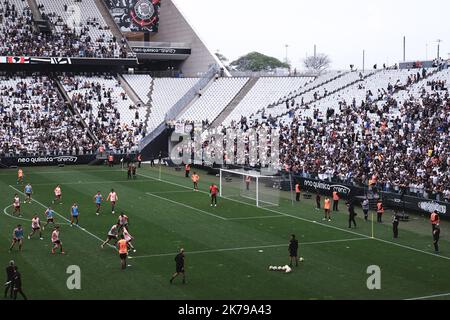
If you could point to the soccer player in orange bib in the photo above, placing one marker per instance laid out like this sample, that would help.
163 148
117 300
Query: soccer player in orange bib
123 251
19 176
327 207
112 196
195 178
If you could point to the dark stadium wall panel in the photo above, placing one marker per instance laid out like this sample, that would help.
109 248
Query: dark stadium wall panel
160 143
420 205
46 160
390 200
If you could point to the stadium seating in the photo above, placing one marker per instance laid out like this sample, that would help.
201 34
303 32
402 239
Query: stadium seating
35 120
372 88
214 100
141 84
265 91
166 93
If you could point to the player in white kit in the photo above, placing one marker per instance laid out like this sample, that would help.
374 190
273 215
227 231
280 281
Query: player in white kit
35 226
112 196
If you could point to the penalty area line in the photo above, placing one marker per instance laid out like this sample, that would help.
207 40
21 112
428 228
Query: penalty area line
248 248
257 217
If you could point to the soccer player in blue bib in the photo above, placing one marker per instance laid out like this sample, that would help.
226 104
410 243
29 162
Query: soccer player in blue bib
49 213
17 238
74 214
98 198
28 191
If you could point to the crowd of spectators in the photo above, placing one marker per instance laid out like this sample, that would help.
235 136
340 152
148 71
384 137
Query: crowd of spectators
410 152
36 121
19 38
99 107
395 145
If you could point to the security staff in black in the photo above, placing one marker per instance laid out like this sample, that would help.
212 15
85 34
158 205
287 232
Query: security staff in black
18 284
179 267
317 201
160 158
395 223
436 234
133 169
293 250
9 285
351 214
129 172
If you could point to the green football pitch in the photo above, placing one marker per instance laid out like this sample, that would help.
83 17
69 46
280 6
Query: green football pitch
228 248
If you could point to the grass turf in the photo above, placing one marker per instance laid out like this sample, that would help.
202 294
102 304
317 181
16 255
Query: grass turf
227 257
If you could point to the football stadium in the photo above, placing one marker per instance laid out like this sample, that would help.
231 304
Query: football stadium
136 163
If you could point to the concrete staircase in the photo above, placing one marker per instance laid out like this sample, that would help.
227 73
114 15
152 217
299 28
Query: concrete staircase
129 90
235 102
149 104
40 25
72 109
204 89
34 9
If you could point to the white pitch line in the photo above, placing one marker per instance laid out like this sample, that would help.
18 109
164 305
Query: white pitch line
164 192
65 219
20 218
186 206
310 221
257 217
430 297
248 248
414 249
62 172
89 182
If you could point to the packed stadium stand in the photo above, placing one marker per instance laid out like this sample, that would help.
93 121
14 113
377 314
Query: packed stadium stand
83 21
78 30
36 121
107 110
388 145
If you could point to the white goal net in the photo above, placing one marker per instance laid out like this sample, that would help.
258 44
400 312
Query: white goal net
250 186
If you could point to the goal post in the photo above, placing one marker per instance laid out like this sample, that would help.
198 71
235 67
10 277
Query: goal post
250 187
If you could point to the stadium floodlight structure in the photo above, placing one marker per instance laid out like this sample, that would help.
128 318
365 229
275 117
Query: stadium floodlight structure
250 187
